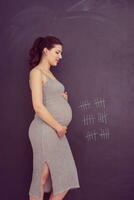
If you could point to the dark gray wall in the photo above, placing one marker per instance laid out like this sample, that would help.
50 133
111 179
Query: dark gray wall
98 72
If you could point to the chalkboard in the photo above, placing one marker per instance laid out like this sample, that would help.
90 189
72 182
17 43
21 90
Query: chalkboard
98 74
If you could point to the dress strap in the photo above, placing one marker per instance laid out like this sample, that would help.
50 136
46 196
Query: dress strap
44 73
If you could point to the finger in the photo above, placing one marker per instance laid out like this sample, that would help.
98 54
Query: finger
63 94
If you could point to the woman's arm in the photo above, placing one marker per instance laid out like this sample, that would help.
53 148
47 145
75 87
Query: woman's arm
38 106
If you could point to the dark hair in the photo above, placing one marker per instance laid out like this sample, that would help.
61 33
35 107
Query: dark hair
39 44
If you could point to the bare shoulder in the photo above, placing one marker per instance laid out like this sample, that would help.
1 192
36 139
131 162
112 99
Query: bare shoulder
34 76
35 71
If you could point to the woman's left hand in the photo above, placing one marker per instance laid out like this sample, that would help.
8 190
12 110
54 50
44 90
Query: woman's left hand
65 95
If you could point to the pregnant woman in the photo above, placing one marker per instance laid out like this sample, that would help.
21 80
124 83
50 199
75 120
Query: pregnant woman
54 168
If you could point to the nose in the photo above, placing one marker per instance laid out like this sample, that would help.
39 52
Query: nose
60 56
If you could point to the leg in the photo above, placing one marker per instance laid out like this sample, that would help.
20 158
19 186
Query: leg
44 176
59 196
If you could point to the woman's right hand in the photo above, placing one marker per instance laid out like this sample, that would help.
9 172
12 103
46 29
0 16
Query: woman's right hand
61 130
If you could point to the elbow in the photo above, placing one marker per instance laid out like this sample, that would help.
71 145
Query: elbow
38 108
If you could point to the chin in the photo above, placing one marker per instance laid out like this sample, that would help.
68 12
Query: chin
55 64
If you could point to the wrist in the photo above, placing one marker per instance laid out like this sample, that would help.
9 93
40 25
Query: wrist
58 127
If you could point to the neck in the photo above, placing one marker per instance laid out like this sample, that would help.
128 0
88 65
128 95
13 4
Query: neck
44 65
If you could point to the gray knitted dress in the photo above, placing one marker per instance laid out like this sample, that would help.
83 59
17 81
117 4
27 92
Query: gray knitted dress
47 146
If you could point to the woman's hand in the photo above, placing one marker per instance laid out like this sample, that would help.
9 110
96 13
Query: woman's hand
65 95
61 130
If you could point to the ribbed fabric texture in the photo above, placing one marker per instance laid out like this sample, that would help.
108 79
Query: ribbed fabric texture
47 146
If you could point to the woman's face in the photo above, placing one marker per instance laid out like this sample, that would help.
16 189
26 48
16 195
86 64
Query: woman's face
54 55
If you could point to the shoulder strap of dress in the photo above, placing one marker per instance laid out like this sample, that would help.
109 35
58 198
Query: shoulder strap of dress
44 73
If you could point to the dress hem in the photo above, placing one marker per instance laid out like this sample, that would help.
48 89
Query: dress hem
68 188
55 193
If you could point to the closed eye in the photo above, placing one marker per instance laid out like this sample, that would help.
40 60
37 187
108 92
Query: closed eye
58 51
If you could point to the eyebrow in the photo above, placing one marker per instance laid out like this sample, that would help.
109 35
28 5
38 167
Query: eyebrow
59 50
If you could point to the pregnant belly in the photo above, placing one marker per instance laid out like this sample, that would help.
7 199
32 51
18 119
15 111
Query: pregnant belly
60 109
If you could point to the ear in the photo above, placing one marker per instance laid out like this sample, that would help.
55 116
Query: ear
45 51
